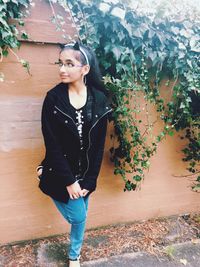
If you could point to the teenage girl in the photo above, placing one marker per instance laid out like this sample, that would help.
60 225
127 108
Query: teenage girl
74 123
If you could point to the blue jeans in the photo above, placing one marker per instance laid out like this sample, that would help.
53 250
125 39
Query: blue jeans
75 212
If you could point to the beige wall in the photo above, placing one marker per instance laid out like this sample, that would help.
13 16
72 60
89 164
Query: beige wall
25 213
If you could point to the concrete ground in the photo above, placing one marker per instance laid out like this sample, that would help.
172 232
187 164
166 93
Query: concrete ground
187 254
176 244
177 255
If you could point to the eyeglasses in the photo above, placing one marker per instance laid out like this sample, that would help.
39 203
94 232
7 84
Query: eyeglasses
67 65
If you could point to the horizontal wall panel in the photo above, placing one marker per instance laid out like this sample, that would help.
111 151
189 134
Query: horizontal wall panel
41 28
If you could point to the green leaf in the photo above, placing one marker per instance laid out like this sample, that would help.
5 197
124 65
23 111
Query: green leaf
15 1
5 53
182 106
117 52
171 133
137 178
196 187
21 23
195 44
24 35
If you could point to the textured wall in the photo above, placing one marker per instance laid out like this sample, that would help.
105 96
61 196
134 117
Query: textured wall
25 213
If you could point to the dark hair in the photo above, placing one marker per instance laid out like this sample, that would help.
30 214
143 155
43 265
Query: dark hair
94 77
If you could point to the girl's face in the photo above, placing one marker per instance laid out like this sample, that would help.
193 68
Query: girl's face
71 69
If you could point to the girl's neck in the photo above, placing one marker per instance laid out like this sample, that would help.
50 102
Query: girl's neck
77 87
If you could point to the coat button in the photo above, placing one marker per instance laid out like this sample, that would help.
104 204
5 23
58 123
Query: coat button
50 169
65 155
96 116
54 111
107 107
66 121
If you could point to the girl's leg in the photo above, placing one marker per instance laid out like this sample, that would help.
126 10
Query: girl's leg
75 212
78 226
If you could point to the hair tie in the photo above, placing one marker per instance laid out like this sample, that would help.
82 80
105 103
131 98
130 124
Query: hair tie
76 46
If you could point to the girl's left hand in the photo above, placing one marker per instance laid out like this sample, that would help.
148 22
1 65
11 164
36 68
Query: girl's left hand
84 192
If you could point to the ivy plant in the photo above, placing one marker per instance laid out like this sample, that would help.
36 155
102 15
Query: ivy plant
137 52
12 13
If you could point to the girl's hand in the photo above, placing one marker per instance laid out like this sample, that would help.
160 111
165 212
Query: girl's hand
85 192
74 190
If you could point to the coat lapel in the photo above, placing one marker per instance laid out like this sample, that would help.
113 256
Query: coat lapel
95 108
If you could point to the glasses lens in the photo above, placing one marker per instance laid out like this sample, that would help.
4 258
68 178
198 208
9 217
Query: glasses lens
67 65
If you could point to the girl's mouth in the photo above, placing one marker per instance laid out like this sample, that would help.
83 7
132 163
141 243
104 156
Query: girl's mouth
64 76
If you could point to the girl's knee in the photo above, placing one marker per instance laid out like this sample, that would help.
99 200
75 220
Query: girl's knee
78 218
78 211
75 211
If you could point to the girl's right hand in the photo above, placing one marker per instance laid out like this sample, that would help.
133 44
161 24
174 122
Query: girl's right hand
74 190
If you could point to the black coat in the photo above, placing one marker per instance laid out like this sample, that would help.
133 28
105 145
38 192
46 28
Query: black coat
63 144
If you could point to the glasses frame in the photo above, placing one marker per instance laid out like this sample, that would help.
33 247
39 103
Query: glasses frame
60 65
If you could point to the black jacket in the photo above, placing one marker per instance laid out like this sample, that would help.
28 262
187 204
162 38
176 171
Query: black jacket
63 145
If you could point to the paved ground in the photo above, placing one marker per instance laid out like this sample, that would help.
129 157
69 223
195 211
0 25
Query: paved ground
178 255
175 242
187 254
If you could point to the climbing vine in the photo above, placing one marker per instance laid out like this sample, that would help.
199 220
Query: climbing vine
138 53
12 13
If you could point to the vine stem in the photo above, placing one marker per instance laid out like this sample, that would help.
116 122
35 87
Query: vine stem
174 83
84 20
146 130
52 9
72 18
187 175
54 14
1 54
147 116
18 58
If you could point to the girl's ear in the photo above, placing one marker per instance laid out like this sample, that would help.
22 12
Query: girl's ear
86 69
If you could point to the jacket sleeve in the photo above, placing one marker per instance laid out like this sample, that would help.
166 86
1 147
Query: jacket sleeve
57 163
90 179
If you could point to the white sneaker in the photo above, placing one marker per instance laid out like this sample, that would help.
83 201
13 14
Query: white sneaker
75 263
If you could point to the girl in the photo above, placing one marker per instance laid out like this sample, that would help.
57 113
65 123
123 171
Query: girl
74 122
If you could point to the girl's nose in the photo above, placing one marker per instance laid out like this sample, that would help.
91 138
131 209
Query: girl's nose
62 68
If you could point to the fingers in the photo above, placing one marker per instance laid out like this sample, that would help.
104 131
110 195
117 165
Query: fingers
76 195
84 192
75 191
81 193
73 196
